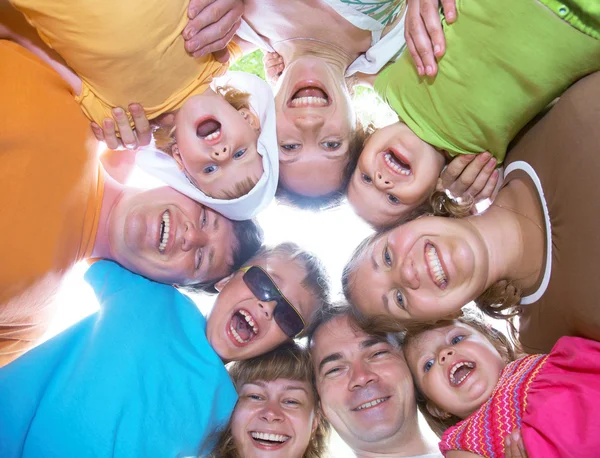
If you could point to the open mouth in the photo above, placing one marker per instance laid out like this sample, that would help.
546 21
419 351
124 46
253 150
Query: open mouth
209 130
242 326
460 371
373 403
397 163
269 439
165 230
310 96
434 265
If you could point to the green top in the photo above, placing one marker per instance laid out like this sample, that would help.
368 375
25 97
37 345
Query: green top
505 61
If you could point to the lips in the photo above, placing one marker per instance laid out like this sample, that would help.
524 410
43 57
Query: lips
460 371
309 94
269 440
397 163
370 404
435 267
164 231
242 328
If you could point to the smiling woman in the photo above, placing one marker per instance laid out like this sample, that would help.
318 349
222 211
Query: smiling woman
277 412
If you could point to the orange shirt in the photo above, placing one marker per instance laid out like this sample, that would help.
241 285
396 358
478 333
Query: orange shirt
50 193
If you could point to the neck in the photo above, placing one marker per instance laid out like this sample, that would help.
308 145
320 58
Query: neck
410 441
294 48
113 192
513 231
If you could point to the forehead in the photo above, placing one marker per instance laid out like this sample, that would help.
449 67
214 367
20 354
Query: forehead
339 335
280 384
369 283
371 204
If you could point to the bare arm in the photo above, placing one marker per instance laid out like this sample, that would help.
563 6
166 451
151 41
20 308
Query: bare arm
14 27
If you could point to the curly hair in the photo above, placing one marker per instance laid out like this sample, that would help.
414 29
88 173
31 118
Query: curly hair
288 361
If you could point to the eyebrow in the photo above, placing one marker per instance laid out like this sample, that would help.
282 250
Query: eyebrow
328 359
370 342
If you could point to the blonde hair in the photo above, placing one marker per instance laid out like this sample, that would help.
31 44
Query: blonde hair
164 134
508 350
241 188
288 361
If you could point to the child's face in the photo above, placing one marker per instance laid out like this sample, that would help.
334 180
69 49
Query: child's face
235 306
455 366
216 145
396 173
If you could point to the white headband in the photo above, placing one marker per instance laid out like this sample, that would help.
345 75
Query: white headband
164 167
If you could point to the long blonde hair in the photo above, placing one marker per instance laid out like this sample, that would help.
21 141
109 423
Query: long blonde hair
288 361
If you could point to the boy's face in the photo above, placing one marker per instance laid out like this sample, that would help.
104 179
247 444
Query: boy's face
240 326
216 145
396 173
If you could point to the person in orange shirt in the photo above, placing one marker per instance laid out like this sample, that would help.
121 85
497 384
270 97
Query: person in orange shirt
59 207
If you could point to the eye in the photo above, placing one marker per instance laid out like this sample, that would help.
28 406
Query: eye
332 371
291 146
204 217
331 145
239 153
199 259
255 397
399 299
456 339
393 199
366 178
428 365
387 258
380 353
210 169
291 402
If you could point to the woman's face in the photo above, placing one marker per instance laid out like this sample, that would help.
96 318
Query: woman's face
274 419
456 367
425 269
315 121
216 144
396 173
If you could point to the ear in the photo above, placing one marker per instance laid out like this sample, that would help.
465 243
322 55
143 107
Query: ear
250 118
436 411
221 283
177 156
316 421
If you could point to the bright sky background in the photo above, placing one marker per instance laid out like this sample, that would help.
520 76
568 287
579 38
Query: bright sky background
332 235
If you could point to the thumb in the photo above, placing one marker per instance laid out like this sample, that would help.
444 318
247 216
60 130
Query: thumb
222 55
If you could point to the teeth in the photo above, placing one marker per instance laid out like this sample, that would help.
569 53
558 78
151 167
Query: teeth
436 266
214 135
249 320
269 437
457 366
236 335
366 405
165 228
391 162
309 101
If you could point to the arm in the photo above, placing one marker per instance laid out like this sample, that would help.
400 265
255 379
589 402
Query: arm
14 27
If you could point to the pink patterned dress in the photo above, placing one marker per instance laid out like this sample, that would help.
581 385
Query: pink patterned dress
554 399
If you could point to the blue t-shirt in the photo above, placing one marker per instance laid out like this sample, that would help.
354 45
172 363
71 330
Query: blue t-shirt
138 378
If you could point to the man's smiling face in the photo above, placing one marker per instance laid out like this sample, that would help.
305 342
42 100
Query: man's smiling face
168 237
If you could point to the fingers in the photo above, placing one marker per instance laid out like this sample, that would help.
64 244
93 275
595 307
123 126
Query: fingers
421 17
126 132
455 168
213 26
514 446
97 130
110 134
274 65
449 7
142 125
415 55
477 174
431 17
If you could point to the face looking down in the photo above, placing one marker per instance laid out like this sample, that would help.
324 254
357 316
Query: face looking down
241 326
274 418
365 386
455 366
168 237
315 121
216 146
425 269
396 172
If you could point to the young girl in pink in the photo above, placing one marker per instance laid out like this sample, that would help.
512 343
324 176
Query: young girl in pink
473 391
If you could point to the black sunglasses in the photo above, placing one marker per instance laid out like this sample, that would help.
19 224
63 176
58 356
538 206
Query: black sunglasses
264 288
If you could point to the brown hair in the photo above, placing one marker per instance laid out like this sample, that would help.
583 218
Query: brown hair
502 343
241 188
288 361
164 134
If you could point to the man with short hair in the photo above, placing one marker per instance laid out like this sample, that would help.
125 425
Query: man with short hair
366 389
58 207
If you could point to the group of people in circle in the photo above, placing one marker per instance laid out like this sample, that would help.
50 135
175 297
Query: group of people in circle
475 85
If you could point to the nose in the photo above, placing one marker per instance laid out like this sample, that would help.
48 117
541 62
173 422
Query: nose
445 354
382 183
220 153
271 413
361 376
193 238
267 308
409 277
309 122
